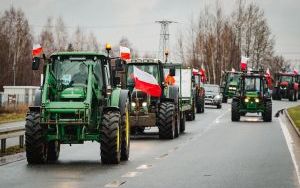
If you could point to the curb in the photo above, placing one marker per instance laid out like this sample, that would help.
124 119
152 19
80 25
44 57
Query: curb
291 121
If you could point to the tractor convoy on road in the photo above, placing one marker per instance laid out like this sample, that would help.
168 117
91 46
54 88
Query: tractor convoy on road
88 96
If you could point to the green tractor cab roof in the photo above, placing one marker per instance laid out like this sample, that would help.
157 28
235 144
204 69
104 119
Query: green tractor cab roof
87 55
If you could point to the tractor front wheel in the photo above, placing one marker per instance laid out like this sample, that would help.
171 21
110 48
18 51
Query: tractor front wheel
110 138
235 114
36 147
267 116
166 120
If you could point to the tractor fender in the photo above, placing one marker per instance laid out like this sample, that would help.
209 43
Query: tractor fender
118 100
115 98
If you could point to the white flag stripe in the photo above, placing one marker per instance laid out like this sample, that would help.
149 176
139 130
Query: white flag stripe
144 76
124 49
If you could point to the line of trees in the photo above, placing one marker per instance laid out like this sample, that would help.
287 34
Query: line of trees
218 41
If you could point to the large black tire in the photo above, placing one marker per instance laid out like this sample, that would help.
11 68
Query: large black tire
224 99
291 95
125 138
267 116
36 147
275 94
235 114
177 124
110 138
296 96
166 120
182 122
53 151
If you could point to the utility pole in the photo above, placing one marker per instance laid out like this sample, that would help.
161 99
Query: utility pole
164 38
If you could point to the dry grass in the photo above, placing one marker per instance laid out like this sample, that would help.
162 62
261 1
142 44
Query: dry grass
13 113
12 150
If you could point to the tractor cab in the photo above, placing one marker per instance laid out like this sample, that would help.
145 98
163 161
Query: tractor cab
286 86
230 84
253 97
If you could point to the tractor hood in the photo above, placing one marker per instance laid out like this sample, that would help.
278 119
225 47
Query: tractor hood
284 84
73 93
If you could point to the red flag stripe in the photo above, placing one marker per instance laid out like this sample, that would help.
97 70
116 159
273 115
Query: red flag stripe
151 89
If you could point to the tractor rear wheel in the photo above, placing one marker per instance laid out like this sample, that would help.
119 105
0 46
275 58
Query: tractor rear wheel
110 138
53 151
125 146
235 114
182 122
166 120
267 116
36 147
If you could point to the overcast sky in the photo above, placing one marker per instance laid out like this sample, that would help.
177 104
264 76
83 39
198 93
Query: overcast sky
112 19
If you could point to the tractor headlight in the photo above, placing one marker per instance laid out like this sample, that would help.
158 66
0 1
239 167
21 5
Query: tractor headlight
257 100
133 104
232 88
246 99
144 104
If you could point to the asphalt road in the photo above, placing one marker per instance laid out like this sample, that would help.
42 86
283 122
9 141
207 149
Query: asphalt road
214 152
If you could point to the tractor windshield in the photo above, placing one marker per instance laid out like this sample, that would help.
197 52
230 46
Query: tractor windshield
252 84
71 72
286 78
233 77
149 68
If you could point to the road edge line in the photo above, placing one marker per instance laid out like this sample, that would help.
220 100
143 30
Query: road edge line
289 140
291 121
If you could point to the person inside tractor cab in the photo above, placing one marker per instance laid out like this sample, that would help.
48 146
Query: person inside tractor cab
81 76
170 80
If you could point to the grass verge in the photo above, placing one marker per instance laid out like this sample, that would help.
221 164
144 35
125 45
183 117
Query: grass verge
294 113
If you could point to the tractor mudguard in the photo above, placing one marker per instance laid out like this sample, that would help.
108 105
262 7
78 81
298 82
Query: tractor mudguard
115 98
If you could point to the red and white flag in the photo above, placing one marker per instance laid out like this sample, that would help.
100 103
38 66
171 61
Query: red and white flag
244 61
268 77
232 70
202 73
146 82
37 50
195 71
295 71
124 53
268 72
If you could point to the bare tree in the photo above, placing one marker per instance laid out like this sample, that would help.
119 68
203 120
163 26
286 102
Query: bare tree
61 36
46 38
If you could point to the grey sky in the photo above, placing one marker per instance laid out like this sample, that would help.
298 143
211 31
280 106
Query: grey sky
135 19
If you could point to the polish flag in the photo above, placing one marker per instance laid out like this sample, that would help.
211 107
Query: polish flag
124 53
146 82
295 71
195 71
37 50
268 77
244 63
202 73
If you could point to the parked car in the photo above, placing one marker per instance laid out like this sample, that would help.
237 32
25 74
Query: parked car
213 95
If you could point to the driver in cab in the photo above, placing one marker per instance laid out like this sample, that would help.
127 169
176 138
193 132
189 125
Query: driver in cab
81 76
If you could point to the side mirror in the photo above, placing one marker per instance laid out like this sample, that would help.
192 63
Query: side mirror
36 61
172 71
117 81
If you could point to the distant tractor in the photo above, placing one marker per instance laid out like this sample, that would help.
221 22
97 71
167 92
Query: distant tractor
78 102
252 97
230 84
199 92
286 86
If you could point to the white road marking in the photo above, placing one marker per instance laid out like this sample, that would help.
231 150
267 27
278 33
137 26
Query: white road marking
289 142
144 167
115 183
131 174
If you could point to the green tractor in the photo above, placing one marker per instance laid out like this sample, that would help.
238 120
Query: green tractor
161 111
78 102
253 97
230 84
